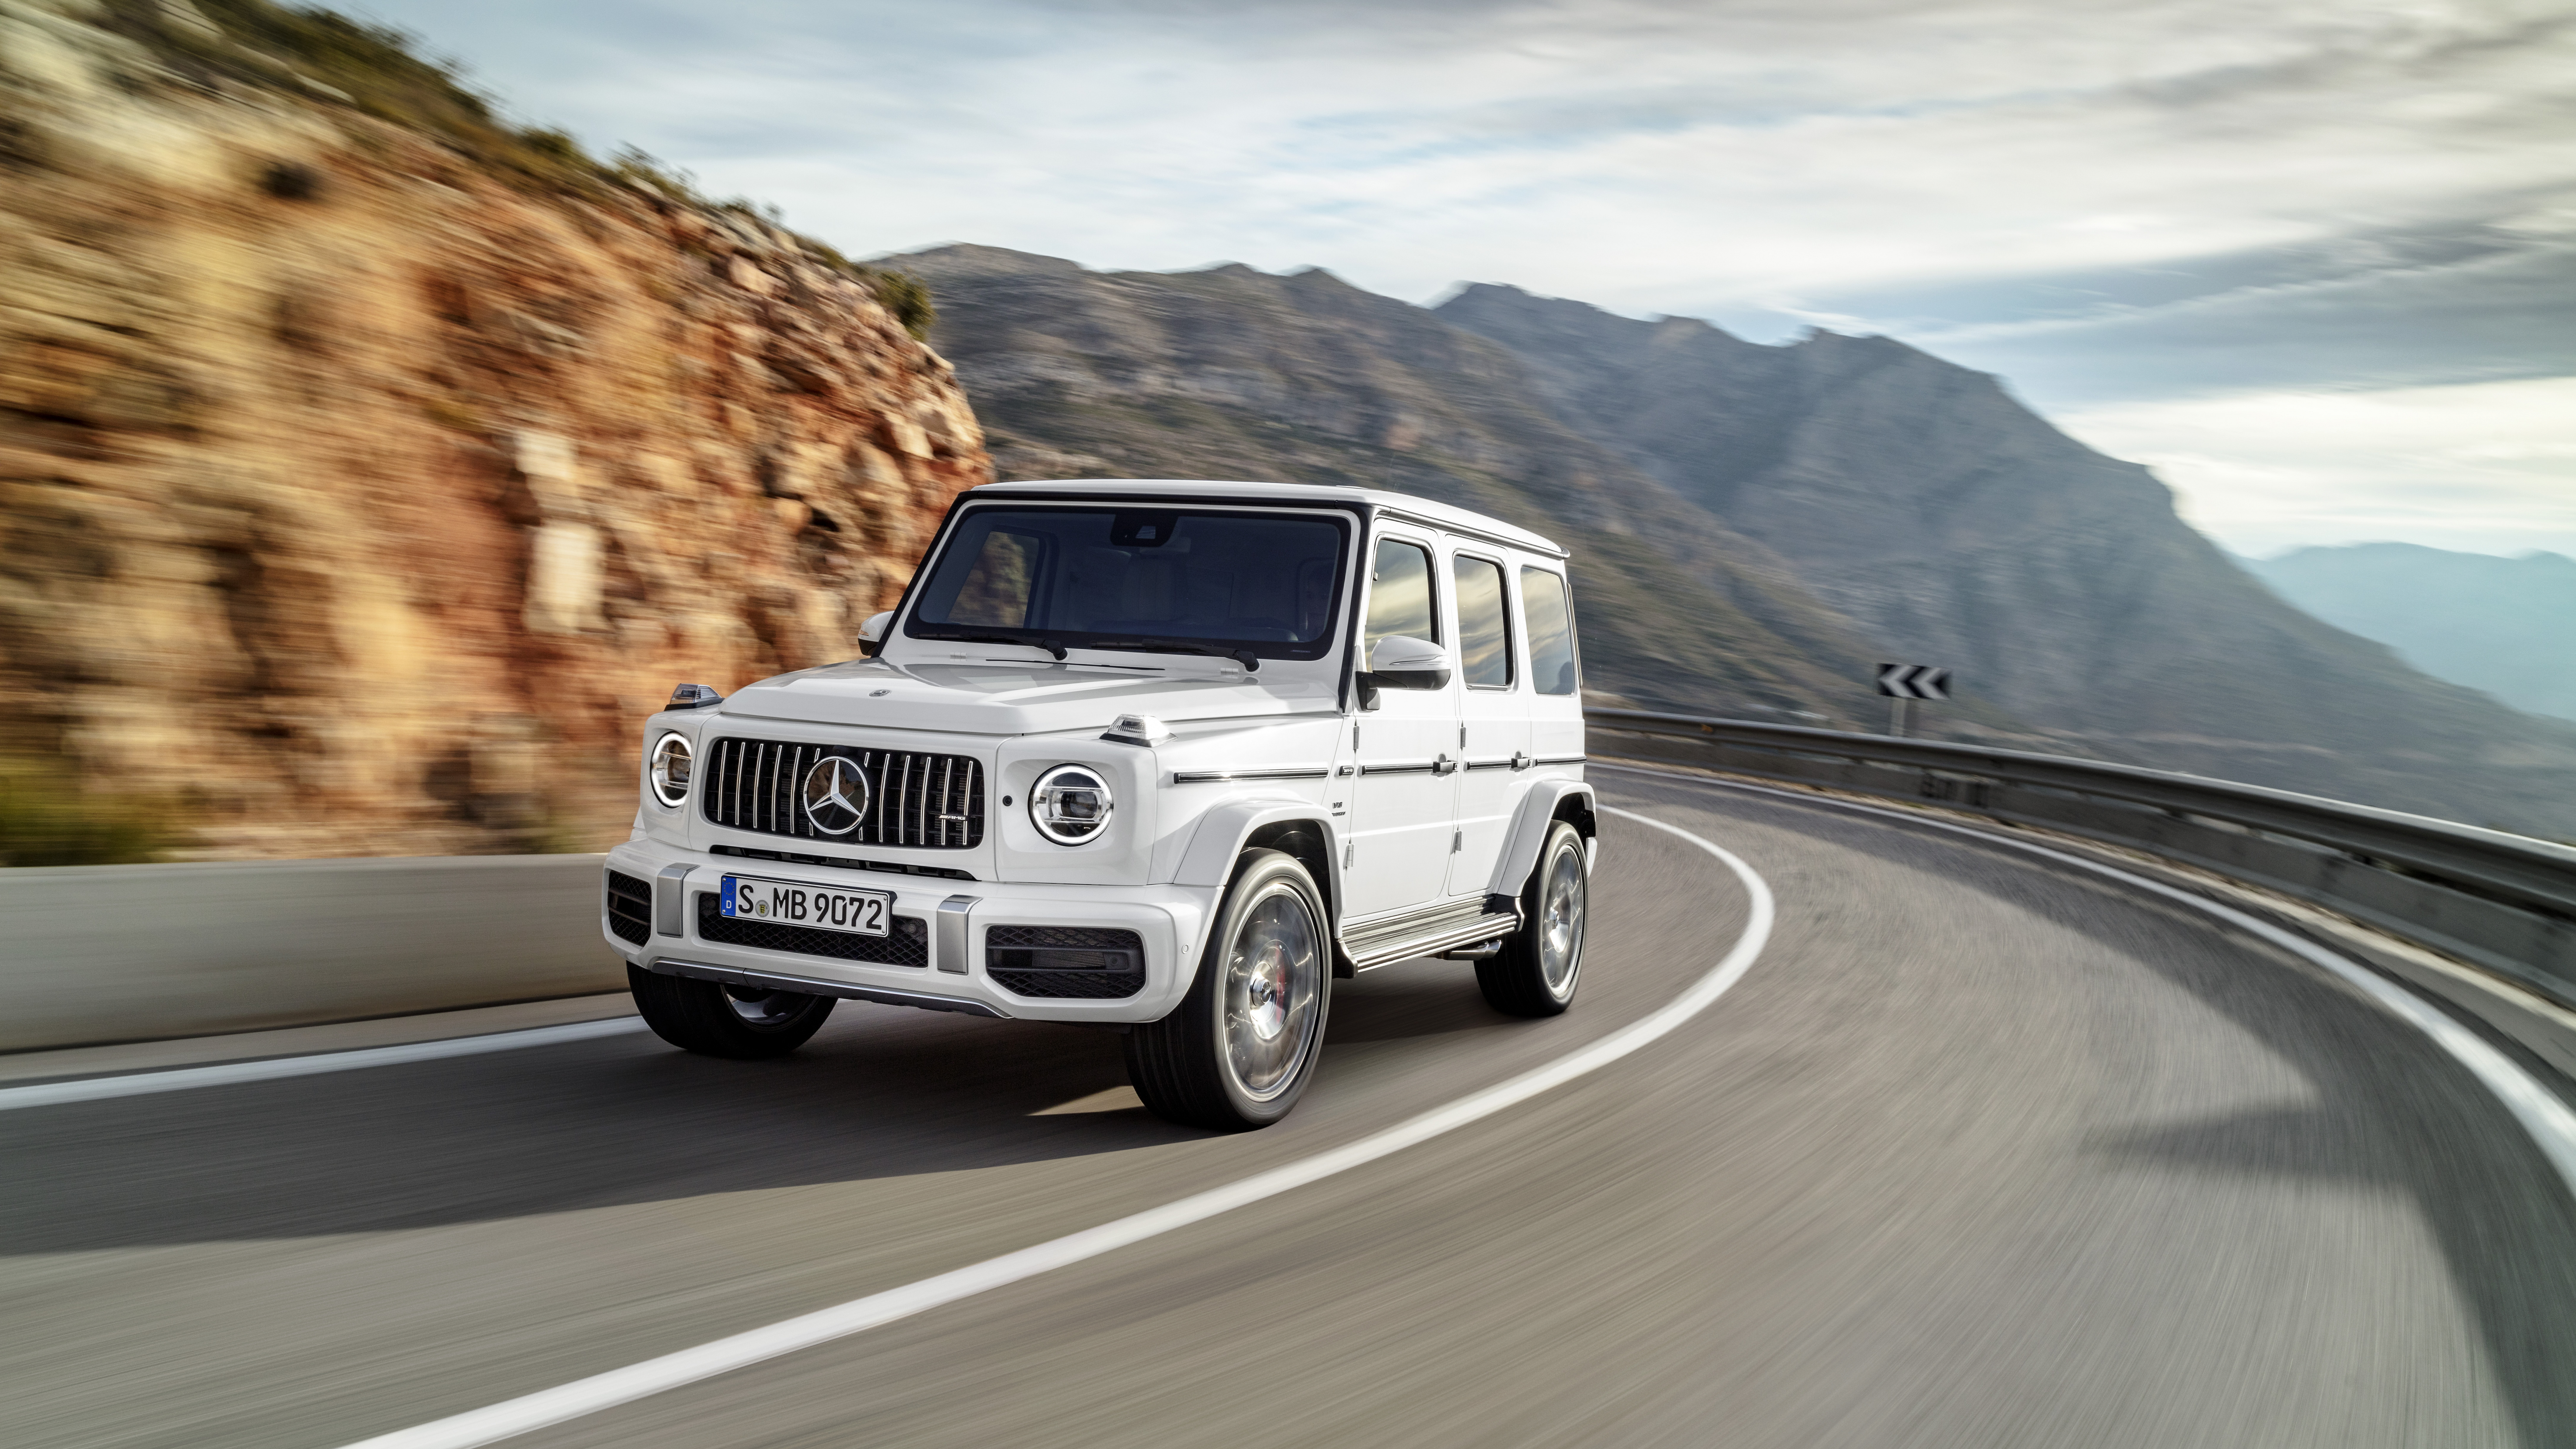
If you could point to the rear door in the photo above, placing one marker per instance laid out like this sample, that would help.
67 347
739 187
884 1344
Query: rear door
1546 618
1493 712
1404 798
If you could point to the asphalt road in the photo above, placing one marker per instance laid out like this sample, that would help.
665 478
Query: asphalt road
1982 1151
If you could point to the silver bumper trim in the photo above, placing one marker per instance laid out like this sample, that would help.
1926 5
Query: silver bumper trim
949 944
670 894
810 986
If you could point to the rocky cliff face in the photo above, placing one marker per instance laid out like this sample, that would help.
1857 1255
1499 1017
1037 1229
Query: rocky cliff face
1233 373
1958 528
360 498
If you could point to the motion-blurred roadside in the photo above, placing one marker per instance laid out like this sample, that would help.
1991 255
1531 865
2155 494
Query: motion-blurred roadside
369 469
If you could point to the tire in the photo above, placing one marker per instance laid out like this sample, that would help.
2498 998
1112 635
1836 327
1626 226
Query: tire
1238 1051
1541 963
717 1020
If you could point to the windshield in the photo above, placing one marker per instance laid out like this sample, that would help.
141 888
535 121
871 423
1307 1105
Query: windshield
1101 577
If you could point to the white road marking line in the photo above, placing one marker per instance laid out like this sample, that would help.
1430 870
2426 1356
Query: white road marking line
2549 1121
136 1084
618 1386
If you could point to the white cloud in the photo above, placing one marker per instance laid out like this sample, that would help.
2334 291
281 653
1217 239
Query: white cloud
2103 198
2487 468
1634 154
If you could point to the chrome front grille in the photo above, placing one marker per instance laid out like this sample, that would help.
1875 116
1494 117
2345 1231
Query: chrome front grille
935 801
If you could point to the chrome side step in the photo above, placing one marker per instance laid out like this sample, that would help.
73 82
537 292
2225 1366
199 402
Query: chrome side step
775 981
1465 924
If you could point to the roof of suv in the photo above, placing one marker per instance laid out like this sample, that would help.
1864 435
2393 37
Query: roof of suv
1438 514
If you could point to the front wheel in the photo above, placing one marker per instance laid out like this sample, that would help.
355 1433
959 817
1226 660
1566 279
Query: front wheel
743 1022
1535 972
1239 1049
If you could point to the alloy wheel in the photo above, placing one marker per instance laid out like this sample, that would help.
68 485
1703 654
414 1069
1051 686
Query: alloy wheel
1273 989
1561 909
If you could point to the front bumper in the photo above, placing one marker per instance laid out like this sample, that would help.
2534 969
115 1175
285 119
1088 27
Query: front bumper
1168 919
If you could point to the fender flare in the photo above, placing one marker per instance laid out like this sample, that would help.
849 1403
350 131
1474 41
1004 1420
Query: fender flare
1217 841
1539 808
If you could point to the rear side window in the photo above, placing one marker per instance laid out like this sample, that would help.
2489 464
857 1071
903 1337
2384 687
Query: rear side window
1399 596
1484 632
1550 621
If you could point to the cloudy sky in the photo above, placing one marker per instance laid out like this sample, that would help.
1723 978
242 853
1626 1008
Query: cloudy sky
2314 260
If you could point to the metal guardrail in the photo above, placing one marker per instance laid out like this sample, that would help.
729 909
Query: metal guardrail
2502 902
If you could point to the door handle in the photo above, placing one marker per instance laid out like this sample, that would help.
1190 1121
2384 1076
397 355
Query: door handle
1444 765
1520 759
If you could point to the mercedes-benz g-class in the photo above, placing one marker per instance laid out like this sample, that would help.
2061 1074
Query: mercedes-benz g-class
1164 757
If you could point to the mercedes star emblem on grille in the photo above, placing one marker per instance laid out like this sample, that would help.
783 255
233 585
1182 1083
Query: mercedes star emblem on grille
836 795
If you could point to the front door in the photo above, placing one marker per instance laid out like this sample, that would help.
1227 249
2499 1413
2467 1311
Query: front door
1404 799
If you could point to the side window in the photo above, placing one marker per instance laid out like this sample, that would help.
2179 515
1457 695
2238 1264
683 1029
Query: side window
1484 634
1399 596
1550 622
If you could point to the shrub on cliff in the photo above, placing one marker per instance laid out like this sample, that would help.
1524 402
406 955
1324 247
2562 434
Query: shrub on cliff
901 293
373 68
45 821
376 69
906 296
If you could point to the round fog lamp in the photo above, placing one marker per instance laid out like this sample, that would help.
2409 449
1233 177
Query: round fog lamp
669 769
1071 804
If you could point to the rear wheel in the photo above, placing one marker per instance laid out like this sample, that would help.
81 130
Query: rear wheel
743 1022
1240 1048
1536 971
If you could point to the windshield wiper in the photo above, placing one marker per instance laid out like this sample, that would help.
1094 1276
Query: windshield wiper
1250 661
1031 639
1025 641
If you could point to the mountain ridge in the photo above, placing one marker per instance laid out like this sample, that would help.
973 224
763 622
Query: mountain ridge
1755 525
1231 372
1958 527
2495 624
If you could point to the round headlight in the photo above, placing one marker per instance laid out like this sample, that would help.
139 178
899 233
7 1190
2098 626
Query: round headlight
1071 804
669 769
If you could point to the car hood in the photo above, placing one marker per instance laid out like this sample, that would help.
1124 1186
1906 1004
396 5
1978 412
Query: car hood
1014 698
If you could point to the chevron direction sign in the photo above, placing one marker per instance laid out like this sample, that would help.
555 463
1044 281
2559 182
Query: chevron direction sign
1913 681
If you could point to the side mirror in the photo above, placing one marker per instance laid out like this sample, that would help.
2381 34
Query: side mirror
1401 663
872 633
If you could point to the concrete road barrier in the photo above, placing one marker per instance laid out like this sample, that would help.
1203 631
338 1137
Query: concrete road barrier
128 953
133 952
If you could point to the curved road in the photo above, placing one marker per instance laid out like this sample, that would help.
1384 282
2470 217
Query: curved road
1982 1151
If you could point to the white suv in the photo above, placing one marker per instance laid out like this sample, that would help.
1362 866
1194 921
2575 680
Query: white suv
1163 757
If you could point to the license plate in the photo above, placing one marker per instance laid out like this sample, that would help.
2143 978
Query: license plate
792 903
